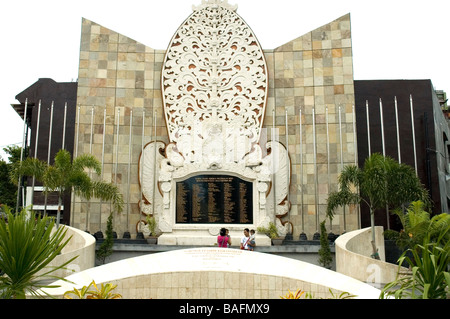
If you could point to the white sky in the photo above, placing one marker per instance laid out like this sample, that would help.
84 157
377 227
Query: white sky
395 39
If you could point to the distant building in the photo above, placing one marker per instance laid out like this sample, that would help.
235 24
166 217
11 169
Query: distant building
39 98
430 141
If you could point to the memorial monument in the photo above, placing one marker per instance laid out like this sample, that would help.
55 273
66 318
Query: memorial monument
212 173
215 131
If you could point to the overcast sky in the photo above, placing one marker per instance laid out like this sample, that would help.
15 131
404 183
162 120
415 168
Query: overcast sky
395 39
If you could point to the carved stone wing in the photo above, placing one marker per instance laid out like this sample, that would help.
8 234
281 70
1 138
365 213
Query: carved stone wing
279 163
149 168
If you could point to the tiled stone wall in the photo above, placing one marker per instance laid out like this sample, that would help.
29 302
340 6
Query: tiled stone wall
315 72
214 285
122 76
353 258
81 246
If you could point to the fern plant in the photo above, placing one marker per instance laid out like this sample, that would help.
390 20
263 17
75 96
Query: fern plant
417 224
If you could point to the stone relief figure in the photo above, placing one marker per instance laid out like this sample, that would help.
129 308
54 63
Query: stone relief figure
214 86
213 147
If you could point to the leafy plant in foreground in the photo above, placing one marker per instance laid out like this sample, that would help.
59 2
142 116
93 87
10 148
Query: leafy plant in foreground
270 231
296 295
429 277
28 243
104 292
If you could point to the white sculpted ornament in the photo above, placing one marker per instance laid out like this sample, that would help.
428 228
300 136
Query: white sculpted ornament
214 84
214 71
223 3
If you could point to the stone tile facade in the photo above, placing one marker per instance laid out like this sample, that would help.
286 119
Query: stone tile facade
214 285
120 77
314 74
118 85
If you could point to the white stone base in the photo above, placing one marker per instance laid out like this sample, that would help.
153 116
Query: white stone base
207 272
204 238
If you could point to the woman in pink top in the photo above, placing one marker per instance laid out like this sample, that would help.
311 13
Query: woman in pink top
223 240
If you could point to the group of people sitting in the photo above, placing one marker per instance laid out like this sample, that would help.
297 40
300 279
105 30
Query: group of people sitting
247 242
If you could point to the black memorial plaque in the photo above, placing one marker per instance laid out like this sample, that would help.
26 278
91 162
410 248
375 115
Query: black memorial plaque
209 199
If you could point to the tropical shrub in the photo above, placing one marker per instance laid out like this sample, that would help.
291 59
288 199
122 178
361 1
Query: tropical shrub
104 292
28 243
429 276
307 295
270 231
151 223
66 175
417 224
325 258
105 249
296 295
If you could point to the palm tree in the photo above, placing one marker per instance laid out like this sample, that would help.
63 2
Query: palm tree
66 175
382 182
27 245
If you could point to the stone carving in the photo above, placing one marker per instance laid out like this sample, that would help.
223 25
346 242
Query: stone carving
278 203
214 72
223 3
150 169
214 85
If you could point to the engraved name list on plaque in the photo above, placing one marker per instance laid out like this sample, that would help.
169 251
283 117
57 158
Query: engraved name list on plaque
210 199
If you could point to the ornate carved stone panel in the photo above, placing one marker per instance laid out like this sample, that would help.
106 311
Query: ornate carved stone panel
214 72
214 85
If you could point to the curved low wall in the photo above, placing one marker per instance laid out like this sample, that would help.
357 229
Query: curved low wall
202 273
82 245
352 254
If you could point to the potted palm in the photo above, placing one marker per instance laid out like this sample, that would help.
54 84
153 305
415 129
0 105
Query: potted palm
325 257
272 232
151 223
